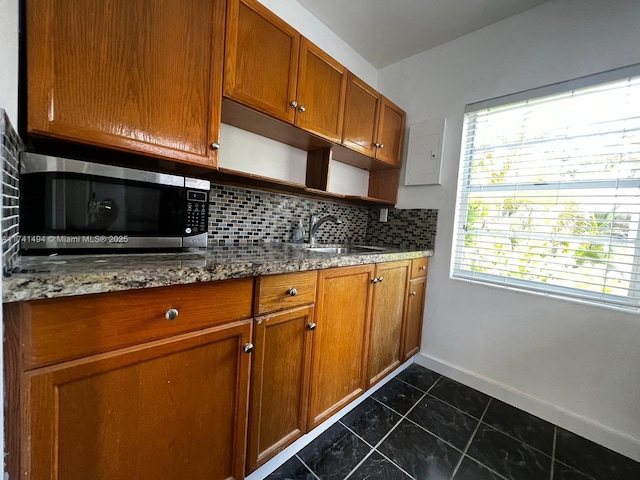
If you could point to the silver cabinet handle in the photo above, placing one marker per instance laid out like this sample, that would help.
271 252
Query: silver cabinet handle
215 146
293 104
413 294
422 267
380 279
247 347
311 326
171 314
374 280
381 145
302 108
292 292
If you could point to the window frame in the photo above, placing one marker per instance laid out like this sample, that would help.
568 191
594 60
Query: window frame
463 195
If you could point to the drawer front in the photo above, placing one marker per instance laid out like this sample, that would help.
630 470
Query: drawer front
67 328
419 267
277 292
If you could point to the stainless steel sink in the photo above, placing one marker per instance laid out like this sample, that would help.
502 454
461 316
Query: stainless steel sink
346 250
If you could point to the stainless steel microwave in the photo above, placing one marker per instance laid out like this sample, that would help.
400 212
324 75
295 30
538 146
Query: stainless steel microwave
70 204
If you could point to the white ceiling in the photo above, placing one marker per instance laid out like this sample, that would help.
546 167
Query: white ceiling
387 31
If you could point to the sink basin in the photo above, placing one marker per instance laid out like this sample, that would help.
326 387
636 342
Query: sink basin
346 250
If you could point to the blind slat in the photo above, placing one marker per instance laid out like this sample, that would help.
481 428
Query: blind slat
550 194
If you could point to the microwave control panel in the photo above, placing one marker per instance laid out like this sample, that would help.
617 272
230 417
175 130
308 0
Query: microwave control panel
196 212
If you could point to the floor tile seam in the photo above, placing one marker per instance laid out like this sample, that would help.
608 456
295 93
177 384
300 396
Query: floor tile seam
373 449
516 439
306 466
355 433
434 435
454 407
466 448
565 464
402 417
482 465
394 463
553 452
359 463
415 386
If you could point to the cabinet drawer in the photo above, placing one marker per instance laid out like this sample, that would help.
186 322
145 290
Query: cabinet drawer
277 292
419 267
67 328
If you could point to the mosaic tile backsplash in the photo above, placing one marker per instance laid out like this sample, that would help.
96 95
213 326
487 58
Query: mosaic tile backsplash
403 228
10 148
240 215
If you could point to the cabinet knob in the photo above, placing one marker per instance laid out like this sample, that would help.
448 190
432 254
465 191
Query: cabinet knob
171 314
247 347
413 294
423 267
302 108
215 146
380 279
311 326
381 145
293 104
374 280
292 292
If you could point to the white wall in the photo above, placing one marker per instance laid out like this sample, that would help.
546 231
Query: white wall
9 102
573 364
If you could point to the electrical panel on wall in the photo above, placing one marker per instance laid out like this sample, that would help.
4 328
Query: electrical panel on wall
425 152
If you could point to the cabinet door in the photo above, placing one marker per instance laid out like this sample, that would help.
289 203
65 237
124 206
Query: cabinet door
415 312
360 116
279 382
387 317
322 84
390 133
261 59
142 76
174 408
338 365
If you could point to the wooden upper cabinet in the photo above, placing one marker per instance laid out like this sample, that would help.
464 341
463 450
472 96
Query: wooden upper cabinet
360 116
142 76
391 120
322 83
261 59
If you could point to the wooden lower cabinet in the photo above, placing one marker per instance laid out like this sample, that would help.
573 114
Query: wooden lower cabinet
279 382
339 360
174 408
416 295
388 313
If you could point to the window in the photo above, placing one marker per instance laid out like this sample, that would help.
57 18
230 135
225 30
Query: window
549 196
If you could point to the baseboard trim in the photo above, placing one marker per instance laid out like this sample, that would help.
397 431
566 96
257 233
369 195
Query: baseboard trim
617 441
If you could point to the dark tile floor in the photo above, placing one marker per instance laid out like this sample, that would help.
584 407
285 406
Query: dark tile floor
424 426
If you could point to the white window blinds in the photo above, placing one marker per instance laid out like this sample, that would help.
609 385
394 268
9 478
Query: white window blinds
549 197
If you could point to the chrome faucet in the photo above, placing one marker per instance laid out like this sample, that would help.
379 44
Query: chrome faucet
315 224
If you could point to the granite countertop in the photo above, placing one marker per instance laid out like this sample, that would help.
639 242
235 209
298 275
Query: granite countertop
39 277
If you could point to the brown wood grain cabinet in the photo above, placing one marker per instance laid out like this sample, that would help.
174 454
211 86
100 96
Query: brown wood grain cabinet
339 359
142 76
362 105
261 59
171 405
387 319
416 294
271 67
391 122
283 335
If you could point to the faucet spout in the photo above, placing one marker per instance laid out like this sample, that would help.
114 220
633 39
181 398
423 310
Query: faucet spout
315 224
